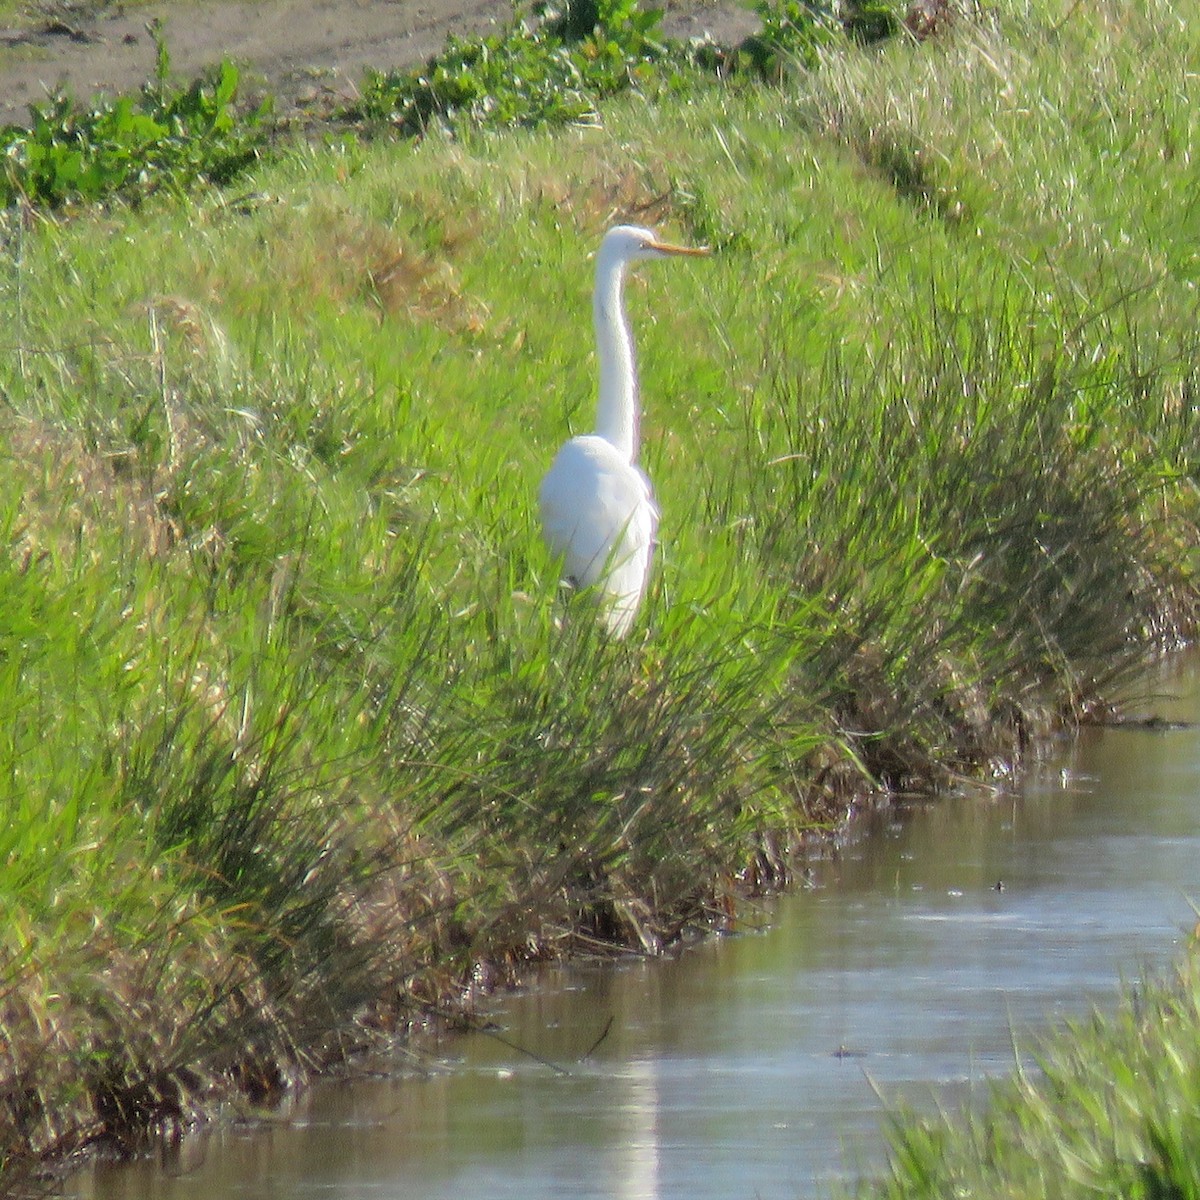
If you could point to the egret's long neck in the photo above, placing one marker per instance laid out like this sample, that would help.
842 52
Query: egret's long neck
617 412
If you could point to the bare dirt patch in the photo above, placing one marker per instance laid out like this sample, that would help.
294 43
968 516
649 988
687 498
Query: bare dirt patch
304 52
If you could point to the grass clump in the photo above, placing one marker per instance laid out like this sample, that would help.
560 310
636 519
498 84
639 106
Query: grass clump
1111 1110
300 737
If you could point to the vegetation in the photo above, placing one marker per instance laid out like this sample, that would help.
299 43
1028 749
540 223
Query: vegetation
1112 1111
559 66
297 736
550 67
166 137
551 70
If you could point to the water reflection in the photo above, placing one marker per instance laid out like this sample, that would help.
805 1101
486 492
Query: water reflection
752 1066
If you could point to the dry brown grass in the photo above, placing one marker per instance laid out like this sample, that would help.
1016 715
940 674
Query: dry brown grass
71 491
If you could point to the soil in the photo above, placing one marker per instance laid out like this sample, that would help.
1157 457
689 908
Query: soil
308 54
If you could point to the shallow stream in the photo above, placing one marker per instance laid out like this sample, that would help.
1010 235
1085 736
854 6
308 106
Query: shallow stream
924 956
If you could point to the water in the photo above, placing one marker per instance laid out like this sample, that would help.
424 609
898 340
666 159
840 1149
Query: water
923 959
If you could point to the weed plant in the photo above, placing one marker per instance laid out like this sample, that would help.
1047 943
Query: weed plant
299 736
166 137
556 66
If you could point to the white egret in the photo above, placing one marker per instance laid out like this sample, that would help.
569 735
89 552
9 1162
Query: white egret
597 507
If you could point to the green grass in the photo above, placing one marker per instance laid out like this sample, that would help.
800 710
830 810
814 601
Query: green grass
1113 1109
298 732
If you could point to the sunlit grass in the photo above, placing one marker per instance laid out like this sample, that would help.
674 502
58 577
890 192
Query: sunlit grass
300 730
1110 1110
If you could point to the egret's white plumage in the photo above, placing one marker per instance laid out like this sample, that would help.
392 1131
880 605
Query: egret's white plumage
596 504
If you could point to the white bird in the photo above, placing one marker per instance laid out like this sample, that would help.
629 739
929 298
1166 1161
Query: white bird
597 507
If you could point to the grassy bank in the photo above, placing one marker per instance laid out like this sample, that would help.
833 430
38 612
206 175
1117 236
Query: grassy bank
1112 1111
296 735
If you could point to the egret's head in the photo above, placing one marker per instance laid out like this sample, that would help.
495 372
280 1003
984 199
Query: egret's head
627 243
